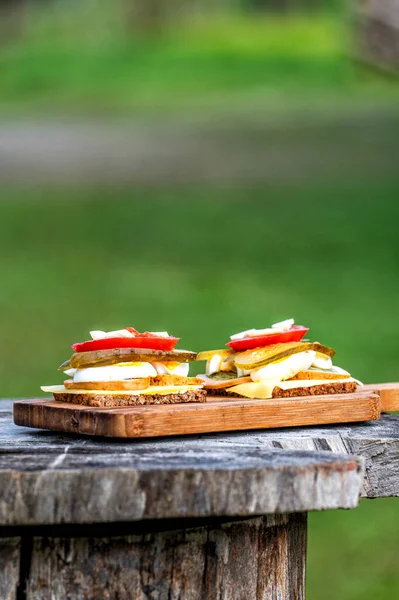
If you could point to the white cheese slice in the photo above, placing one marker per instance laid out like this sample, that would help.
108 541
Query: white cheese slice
259 389
167 389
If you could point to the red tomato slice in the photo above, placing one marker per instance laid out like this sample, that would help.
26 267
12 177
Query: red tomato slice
294 334
151 343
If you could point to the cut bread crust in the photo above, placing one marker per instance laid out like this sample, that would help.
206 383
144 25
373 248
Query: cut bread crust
141 383
346 387
134 400
319 375
129 384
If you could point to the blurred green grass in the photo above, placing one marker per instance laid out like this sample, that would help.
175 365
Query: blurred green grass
352 555
202 263
81 61
198 262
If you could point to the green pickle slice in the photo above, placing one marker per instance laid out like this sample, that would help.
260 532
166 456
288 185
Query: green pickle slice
259 357
102 358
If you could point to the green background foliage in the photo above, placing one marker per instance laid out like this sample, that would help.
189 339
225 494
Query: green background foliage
205 261
203 264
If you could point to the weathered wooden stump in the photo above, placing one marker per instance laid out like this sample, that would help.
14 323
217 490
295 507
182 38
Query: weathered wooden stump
376 29
212 517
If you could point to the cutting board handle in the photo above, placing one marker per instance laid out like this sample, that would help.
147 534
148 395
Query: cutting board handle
389 394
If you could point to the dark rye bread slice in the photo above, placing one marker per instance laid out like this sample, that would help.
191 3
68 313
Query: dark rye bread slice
104 400
332 387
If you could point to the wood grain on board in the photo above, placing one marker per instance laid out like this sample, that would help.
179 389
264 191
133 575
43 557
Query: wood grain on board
216 415
389 395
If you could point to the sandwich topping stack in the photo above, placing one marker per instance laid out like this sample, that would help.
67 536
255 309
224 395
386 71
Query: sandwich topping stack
128 368
274 363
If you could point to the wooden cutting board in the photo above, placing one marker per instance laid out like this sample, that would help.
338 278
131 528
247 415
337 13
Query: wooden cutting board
216 415
389 395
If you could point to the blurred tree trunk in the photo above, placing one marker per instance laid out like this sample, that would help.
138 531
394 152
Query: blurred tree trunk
152 16
377 32
12 18
146 15
283 5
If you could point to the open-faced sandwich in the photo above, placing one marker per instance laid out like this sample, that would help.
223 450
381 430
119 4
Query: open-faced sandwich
274 363
125 367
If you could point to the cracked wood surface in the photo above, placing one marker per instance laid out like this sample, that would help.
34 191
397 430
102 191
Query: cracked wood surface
10 557
376 441
257 559
47 478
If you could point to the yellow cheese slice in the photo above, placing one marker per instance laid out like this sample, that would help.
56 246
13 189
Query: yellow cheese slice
264 389
259 389
167 389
